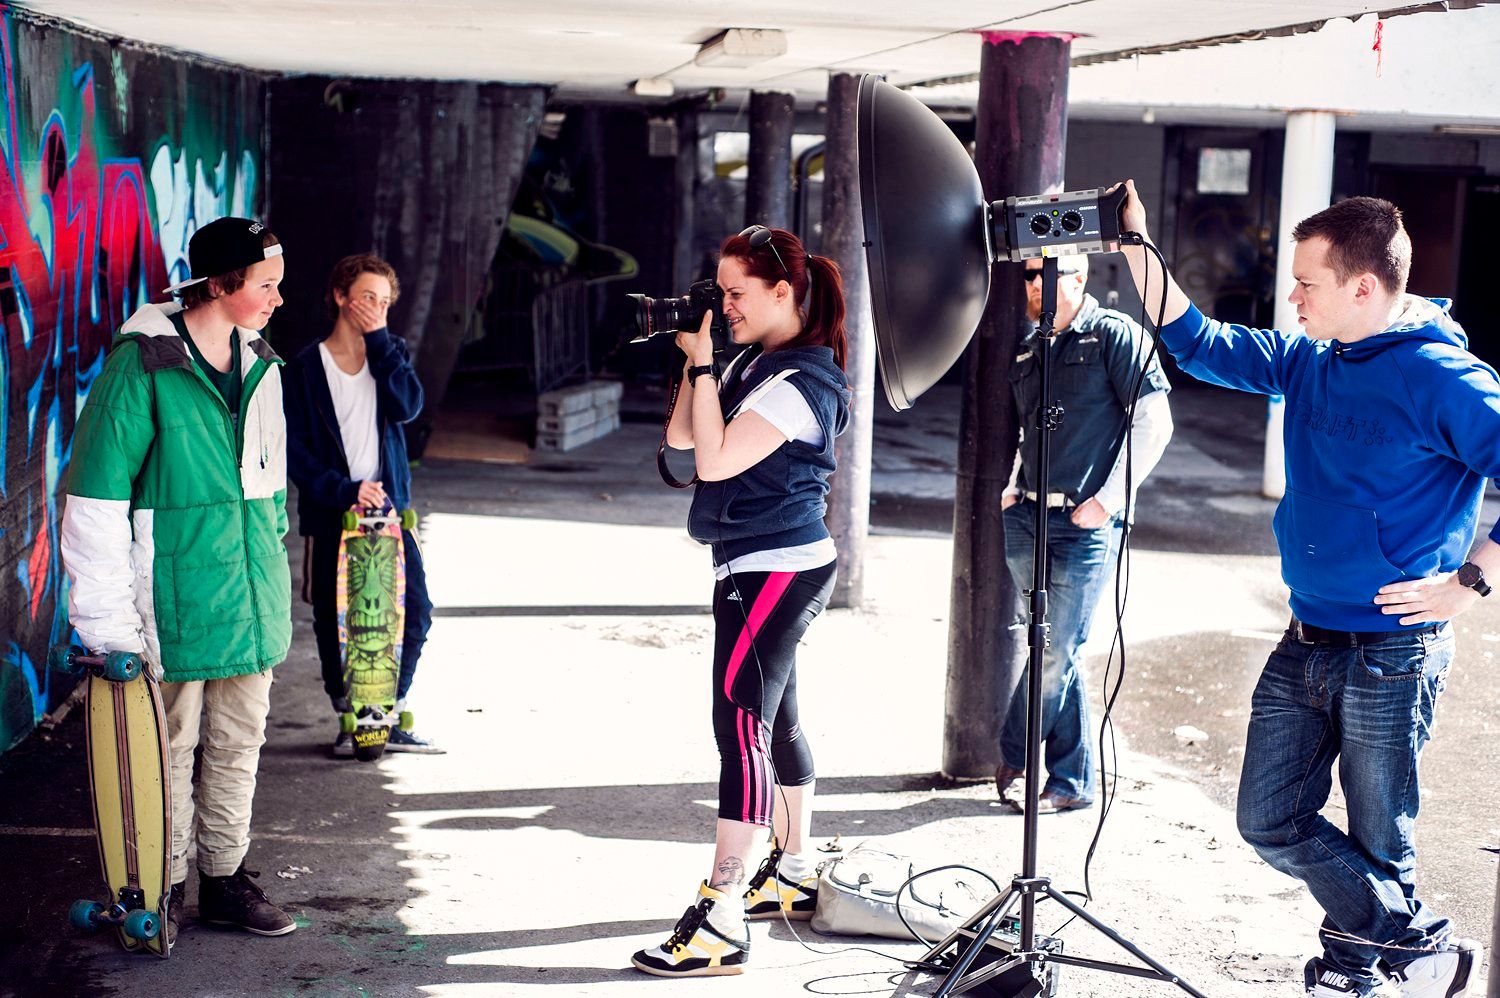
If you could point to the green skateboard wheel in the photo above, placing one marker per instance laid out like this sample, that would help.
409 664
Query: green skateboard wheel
85 914
408 519
351 519
63 659
405 723
121 666
142 925
346 722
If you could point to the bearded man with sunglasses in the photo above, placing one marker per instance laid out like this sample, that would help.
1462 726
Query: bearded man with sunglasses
1100 360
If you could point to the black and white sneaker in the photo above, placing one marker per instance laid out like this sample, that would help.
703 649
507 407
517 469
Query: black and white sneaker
696 947
343 746
770 894
406 741
1448 973
1323 981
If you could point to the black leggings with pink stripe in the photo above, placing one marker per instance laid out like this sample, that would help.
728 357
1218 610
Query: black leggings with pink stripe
755 685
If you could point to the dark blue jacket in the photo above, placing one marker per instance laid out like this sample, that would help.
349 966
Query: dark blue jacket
315 448
779 502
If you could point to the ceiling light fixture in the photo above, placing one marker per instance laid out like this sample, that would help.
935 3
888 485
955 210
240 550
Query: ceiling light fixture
655 86
738 48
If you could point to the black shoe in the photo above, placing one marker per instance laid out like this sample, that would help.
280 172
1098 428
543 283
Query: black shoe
236 901
176 901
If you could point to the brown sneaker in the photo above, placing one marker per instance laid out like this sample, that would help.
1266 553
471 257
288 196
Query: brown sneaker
1010 783
1051 803
238 902
176 901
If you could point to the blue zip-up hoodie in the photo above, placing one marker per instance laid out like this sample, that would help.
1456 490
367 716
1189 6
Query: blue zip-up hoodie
1389 441
779 502
315 448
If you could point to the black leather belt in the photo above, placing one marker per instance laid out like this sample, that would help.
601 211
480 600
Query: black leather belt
1310 634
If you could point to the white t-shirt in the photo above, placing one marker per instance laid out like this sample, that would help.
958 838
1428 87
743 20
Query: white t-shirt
354 405
784 407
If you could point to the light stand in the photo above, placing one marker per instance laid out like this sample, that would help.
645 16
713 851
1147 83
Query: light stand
1026 887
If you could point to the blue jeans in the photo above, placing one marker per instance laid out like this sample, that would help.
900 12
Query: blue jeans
1371 707
1081 561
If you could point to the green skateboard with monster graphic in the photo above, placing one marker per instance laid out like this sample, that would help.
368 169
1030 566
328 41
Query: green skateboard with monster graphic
371 603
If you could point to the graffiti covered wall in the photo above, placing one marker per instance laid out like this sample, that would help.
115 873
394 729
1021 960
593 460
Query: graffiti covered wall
110 158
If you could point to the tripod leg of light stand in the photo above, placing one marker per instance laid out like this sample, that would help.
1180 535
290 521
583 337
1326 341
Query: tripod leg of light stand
989 917
1121 941
931 960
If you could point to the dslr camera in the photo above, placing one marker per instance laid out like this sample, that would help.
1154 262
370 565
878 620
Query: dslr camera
654 316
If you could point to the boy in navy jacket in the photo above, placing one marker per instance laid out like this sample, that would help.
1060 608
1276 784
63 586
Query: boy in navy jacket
348 397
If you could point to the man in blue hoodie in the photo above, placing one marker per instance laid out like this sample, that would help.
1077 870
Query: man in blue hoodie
1392 428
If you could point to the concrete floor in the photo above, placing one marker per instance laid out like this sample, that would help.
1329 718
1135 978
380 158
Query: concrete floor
567 825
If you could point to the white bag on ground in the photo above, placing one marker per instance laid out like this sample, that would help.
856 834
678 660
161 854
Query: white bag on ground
857 896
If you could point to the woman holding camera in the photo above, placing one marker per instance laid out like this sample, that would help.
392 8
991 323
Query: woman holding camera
762 435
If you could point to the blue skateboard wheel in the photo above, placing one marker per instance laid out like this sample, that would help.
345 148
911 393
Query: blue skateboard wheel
142 925
85 914
64 659
122 666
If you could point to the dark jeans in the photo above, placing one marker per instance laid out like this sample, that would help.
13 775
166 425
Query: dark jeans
325 569
1081 561
1370 707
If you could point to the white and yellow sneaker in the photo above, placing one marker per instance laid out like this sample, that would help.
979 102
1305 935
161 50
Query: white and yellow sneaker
775 890
704 943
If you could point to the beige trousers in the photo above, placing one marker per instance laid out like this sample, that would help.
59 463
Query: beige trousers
228 716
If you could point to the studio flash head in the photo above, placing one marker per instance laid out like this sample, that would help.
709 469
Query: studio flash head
931 237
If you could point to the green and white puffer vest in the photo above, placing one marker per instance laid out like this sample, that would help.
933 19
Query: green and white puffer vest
176 509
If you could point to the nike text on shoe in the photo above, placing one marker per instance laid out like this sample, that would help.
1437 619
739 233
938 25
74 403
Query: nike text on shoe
1323 981
1447 973
696 948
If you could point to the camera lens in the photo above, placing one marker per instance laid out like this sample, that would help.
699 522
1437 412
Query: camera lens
654 316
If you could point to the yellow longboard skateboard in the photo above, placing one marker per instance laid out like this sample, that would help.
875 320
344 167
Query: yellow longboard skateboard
131 790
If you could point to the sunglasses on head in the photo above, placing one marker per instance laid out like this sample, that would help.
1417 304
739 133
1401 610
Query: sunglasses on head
760 236
1027 276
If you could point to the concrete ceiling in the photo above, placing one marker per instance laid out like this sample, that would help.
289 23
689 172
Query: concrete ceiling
596 48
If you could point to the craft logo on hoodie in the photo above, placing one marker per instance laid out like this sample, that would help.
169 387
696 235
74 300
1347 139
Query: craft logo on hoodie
1355 429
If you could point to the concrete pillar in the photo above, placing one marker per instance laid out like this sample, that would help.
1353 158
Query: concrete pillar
768 192
684 262
1306 188
843 240
1021 134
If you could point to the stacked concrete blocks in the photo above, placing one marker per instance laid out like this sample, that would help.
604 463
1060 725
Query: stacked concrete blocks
571 417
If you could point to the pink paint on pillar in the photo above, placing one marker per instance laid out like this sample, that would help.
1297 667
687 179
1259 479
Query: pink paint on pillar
1017 37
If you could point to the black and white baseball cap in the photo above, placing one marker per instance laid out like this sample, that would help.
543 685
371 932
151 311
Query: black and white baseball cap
223 246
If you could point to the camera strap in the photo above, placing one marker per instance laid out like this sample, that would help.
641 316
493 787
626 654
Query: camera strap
734 372
661 450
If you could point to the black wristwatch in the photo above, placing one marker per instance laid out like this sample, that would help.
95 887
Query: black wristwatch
695 372
1470 574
